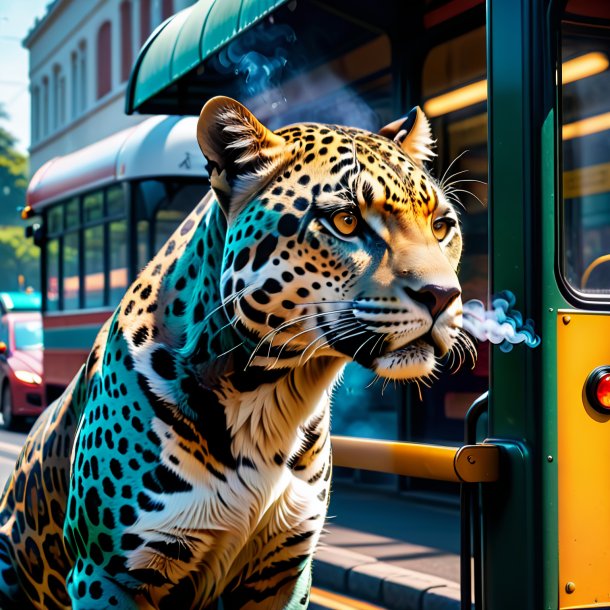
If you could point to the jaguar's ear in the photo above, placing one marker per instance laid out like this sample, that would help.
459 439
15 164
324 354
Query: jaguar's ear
413 134
243 155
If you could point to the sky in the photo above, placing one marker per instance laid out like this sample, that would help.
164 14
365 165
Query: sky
16 19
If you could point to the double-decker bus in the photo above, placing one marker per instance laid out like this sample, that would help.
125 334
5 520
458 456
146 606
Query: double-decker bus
103 211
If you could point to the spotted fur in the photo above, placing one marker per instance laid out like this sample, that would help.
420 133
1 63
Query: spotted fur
189 460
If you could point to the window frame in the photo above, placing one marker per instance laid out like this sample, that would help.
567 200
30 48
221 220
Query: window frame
578 298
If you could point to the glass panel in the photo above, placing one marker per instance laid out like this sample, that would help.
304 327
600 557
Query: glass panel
28 335
585 55
164 204
53 275
143 254
115 201
94 266
55 217
72 213
93 207
70 271
118 260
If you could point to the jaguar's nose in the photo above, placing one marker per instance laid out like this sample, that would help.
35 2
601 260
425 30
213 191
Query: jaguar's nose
435 298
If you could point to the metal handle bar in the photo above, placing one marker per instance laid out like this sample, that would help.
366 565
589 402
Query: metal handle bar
465 464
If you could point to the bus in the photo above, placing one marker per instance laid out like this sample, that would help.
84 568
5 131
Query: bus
517 96
102 212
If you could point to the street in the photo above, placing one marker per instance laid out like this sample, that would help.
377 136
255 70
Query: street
10 446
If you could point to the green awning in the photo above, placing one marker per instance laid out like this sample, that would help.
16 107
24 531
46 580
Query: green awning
181 44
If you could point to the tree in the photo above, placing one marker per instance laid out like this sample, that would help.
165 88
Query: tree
13 178
19 257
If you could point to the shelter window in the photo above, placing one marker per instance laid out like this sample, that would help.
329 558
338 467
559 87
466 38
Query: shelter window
585 58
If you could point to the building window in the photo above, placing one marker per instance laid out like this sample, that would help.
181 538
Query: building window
126 45
62 100
82 48
35 114
167 9
74 83
144 20
55 96
104 59
45 106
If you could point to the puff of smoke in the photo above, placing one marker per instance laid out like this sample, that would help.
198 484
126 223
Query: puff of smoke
257 57
501 324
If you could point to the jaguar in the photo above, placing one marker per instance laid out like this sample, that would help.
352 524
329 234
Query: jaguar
189 461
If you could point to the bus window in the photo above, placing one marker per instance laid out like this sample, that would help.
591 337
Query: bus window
56 219
71 279
161 206
115 201
93 247
117 236
53 274
93 207
585 57
72 213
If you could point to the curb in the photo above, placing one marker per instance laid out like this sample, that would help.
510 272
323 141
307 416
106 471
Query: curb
382 583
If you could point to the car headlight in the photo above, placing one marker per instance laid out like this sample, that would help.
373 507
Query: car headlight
27 377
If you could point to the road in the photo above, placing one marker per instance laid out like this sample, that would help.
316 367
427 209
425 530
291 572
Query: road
10 445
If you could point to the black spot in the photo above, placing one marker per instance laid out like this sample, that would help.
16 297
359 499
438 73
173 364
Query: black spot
187 226
127 515
163 363
264 251
146 292
301 204
179 307
288 225
140 336
115 468
130 542
242 258
92 505
272 286
261 297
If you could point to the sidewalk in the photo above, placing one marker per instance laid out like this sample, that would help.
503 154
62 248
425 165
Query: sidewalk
391 551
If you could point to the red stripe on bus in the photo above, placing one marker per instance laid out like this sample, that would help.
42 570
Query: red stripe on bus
60 365
77 318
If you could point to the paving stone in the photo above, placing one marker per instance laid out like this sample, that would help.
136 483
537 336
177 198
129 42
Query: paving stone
332 566
442 598
406 591
365 581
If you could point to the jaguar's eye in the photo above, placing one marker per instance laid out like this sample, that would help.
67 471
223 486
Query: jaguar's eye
345 222
441 226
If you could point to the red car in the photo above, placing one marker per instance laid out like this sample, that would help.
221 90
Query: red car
21 387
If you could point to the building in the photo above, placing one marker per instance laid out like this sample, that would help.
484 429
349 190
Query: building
81 55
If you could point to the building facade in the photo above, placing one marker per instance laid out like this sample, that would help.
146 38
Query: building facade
81 55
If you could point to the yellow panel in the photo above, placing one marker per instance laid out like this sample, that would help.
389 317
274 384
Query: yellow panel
583 343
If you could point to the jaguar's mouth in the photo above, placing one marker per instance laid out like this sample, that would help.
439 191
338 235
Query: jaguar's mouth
414 360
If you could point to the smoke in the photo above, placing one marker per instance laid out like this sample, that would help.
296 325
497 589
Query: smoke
258 59
501 325
269 68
